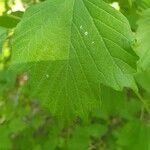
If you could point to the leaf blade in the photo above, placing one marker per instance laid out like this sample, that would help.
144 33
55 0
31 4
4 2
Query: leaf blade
68 54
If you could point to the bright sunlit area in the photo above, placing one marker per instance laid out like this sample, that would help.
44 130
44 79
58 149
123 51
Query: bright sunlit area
115 5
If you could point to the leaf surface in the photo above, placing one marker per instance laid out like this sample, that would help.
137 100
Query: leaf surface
143 48
72 48
127 134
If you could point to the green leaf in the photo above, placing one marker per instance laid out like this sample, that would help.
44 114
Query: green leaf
117 104
143 4
143 48
7 80
134 136
81 136
5 139
17 124
10 21
68 54
52 141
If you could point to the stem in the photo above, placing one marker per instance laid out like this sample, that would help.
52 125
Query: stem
143 101
142 112
14 17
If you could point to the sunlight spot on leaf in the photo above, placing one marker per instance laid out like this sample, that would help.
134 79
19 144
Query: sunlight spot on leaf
18 6
115 5
47 76
86 33
81 27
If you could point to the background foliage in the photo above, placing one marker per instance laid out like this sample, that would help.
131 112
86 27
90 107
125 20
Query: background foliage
117 119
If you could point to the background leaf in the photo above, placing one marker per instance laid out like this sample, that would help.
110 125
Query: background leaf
143 48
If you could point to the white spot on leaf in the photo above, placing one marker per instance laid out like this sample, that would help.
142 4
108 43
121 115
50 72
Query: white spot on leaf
86 33
47 76
81 27
115 5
